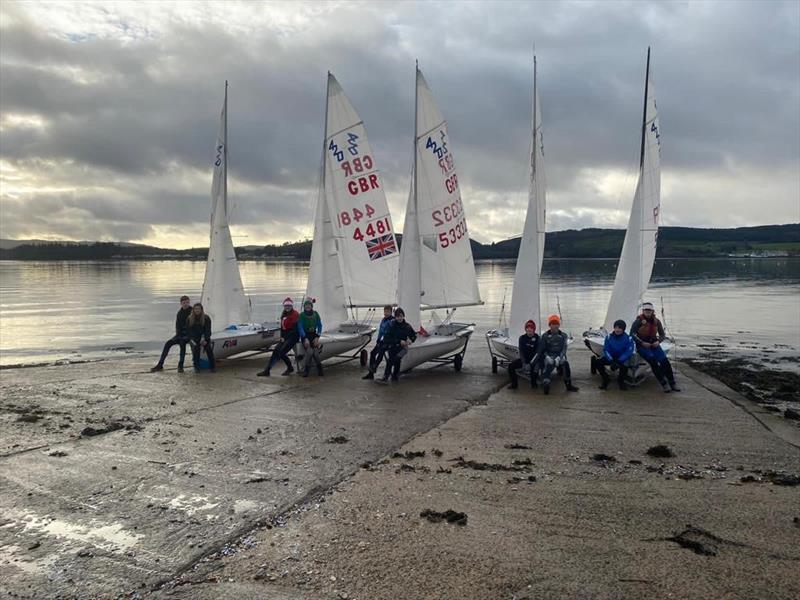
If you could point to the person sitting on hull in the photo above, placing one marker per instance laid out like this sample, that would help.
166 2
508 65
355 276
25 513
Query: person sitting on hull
617 352
553 351
181 336
648 333
399 336
309 327
528 355
199 325
289 338
378 352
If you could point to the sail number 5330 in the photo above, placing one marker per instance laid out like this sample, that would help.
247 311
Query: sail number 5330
454 234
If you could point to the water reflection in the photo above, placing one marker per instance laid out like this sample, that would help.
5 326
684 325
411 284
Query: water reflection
51 308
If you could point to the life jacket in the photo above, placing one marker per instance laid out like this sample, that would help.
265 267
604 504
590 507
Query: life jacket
289 320
648 330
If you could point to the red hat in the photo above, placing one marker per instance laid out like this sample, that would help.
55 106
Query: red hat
530 323
288 302
553 319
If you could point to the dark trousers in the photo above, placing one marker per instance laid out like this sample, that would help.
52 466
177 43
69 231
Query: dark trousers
282 350
170 343
603 362
196 354
549 365
396 354
312 353
376 356
659 363
512 372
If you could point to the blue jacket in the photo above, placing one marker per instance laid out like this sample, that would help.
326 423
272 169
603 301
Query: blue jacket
384 327
618 347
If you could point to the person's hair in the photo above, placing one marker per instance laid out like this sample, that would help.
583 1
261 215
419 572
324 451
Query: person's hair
185 298
620 323
388 307
193 318
399 311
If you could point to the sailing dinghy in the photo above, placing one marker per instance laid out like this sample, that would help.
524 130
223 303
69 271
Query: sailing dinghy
639 248
503 344
436 266
223 294
354 253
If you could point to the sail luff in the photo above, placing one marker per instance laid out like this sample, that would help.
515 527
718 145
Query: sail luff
525 298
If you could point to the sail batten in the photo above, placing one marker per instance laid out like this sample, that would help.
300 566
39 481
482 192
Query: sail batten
223 295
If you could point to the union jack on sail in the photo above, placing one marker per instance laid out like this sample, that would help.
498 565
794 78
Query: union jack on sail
381 246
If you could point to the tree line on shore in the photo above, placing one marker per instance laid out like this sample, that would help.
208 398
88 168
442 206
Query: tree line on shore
673 242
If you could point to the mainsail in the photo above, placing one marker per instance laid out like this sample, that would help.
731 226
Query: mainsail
354 253
436 267
223 293
639 249
525 295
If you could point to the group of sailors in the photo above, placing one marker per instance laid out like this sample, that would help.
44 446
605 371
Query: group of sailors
539 355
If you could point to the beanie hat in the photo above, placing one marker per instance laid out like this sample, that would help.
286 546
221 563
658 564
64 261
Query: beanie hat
288 302
530 323
553 319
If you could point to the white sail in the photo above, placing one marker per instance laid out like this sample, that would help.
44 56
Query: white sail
355 263
223 293
525 295
446 272
639 249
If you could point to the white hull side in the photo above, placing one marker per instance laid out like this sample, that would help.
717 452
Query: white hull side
245 338
503 345
441 344
339 342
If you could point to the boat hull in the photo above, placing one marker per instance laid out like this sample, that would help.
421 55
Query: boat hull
247 337
337 343
444 342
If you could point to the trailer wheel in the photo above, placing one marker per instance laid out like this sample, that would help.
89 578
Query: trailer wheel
363 357
458 360
494 364
593 365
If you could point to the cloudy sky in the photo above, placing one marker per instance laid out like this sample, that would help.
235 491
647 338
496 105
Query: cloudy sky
109 110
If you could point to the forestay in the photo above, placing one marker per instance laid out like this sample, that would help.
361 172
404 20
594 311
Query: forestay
525 296
444 273
639 249
223 293
355 252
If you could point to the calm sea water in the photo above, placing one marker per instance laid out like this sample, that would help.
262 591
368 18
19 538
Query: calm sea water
78 310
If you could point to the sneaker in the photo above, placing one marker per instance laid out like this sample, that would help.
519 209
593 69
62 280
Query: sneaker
369 375
288 371
674 386
180 369
572 388
156 368
264 373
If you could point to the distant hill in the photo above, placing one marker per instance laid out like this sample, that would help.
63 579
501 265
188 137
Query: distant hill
673 242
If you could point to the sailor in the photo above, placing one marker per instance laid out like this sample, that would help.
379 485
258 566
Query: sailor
289 338
376 356
553 350
309 328
399 336
528 355
199 326
618 350
181 336
648 333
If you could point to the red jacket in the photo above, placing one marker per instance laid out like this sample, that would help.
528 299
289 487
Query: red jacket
289 322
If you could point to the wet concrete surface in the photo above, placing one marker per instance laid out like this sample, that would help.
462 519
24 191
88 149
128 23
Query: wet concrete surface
236 491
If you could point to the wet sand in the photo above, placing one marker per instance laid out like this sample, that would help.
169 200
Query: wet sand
115 482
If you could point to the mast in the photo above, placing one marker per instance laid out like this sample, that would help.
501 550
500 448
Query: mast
225 141
416 128
533 154
644 112
325 134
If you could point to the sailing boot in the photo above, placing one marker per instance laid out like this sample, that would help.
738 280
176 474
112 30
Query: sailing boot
604 376
621 382
569 386
289 370
264 373
546 386
370 375
665 386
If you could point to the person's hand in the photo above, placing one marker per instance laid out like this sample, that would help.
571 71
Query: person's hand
646 345
203 343
403 343
305 343
281 340
655 344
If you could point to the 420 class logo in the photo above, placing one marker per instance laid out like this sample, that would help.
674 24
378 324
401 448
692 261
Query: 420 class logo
220 149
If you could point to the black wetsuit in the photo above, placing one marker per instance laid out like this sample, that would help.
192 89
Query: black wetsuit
554 346
199 332
290 336
528 355
181 337
378 352
396 333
